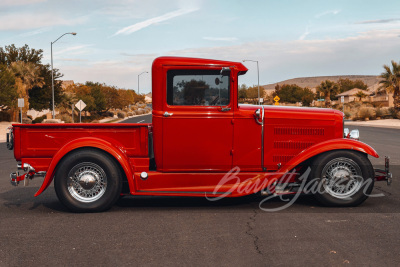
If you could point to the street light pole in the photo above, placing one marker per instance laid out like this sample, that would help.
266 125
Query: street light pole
258 77
52 74
138 80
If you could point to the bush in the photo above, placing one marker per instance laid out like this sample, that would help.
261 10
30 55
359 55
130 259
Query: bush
121 114
347 115
26 121
5 116
393 113
66 118
366 113
39 119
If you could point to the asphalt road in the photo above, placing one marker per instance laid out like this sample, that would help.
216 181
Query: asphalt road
139 119
193 231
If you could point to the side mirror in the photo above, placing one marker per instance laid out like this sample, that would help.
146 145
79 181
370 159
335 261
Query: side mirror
225 71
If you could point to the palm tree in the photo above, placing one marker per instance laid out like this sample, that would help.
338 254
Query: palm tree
391 82
361 95
328 88
27 76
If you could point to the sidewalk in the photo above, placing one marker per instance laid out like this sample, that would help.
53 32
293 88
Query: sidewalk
388 123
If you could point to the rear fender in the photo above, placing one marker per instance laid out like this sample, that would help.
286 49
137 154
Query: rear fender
330 145
90 142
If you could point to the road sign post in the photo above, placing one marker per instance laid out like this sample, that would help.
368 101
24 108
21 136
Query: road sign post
80 106
21 104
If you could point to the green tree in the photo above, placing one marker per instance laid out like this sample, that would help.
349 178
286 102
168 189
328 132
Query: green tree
40 97
242 91
8 91
11 54
391 82
252 92
361 95
98 96
292 93
347 84
308 97
328 89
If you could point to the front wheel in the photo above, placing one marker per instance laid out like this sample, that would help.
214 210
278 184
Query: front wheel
343 178
88 181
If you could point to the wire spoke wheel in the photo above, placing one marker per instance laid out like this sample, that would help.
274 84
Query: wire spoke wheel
87 182
342 178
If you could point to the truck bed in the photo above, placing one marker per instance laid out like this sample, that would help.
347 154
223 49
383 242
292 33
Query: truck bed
39 142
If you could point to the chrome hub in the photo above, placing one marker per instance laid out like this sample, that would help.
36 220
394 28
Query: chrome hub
342 178
87 182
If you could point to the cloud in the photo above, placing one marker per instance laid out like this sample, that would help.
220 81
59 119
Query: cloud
305 34
19 2
24 21
74 50
224 39
141 25
329 12
378 21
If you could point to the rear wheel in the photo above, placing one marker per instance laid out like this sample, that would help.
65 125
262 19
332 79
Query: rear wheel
344 178
87 181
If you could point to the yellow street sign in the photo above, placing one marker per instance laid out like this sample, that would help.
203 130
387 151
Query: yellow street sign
276 99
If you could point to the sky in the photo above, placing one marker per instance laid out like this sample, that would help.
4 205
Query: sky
117 40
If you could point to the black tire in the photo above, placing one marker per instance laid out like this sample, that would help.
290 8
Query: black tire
344 178
88 180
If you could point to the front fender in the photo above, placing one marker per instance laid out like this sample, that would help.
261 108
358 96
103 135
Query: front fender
92 142
334 144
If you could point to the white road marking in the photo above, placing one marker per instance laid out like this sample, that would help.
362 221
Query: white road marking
140 121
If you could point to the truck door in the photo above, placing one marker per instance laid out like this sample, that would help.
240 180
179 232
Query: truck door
197 123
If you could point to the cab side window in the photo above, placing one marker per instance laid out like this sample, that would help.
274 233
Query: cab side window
197 88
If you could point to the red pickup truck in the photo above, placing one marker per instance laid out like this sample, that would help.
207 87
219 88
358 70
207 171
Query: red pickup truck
201 142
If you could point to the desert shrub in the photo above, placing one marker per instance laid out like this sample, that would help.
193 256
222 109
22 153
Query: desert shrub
121 114
66 118
347 115
393 113
51 121
26 121
39 119
366 113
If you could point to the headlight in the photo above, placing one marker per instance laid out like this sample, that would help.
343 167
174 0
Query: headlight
354 134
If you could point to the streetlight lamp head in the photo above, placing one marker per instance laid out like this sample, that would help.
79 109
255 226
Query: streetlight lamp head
73 33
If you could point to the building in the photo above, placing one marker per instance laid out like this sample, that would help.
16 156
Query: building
350 96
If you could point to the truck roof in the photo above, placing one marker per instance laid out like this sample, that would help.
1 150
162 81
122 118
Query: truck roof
187 61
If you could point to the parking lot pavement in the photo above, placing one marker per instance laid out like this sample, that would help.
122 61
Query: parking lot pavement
193 231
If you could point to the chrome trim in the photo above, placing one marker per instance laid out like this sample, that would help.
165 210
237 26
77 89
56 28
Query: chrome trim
166 114
184 192
26 168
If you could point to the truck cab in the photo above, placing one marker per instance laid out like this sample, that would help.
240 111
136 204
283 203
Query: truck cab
201 142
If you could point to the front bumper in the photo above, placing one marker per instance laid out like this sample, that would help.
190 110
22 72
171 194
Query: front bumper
384 174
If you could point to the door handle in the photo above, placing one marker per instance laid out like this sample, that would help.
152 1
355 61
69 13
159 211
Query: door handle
225 109
166 114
